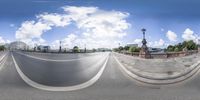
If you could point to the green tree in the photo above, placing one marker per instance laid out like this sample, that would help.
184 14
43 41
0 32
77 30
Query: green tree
94 50
170 48
191 45
179 46
134 49
126 48
121 48
2 47
76 49
184 44
116 49
176 49
65 50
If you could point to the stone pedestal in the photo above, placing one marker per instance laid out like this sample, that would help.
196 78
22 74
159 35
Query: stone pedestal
185 52
144 53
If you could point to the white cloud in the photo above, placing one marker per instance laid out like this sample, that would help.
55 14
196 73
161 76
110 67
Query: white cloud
159 43
98 23
30 32
54 19
137 41
3 41
73 40
188 34
171 35
67 42
100 28
31 29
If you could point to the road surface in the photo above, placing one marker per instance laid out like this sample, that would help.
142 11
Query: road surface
112 85
56 73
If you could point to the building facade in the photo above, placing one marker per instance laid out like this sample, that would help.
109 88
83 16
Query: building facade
132 45
43 48
18 45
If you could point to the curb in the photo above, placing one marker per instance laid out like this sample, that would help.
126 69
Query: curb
67 88
163 81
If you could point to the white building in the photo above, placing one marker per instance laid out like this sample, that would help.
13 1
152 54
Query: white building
132 45
18 45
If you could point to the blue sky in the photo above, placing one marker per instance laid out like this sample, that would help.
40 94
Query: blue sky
167 22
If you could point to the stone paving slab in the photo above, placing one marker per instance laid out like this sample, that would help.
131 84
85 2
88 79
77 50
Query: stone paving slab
159 68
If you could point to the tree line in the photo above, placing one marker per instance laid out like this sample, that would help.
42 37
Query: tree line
188 45
127 48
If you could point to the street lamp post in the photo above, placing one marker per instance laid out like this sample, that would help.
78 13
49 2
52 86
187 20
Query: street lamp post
144 52
35 47
85 48
119 48
60 48
144 42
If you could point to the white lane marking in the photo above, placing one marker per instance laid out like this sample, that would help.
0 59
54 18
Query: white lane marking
67 88
52 59
3 56
1 61
124 69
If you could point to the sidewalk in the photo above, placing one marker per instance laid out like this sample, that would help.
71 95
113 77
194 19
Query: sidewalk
160 69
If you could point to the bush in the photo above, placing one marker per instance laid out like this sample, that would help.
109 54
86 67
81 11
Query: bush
134 49
94 50
76 49
121 48
116 49
126 48
170 48
176 49
190 45
2 47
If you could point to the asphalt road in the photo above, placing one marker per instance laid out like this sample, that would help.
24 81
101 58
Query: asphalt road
56 73
61 56
112 85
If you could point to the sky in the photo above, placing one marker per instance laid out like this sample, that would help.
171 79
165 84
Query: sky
99 23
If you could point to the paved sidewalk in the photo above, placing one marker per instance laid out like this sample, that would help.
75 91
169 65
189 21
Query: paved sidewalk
160 69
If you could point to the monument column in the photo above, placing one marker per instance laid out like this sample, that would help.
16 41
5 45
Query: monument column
144 52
